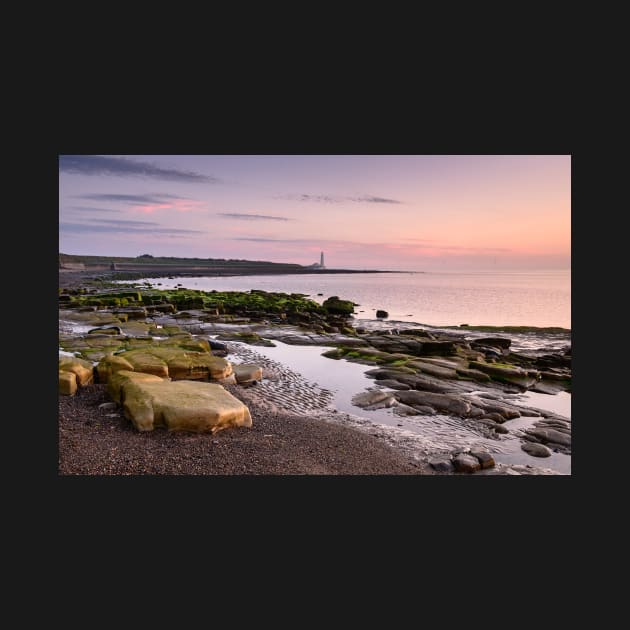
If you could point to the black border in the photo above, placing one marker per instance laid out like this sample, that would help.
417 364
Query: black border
463 123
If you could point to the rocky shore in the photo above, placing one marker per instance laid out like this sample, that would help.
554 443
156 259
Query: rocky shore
295 430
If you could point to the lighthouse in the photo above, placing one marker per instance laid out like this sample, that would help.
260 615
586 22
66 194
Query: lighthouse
321 261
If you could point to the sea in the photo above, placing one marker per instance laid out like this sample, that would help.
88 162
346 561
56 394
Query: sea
479 298
433 299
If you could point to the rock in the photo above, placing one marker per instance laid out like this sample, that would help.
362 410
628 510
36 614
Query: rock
228 380
476 375
336 306
501 429
107 330
511 374
365 399
110 364
550 435
247 372
170 361
83 370
67 383
494 416
497 342
118 379
182 406
108 406
434 370
535 450
441 402
442 465
406 410
382 314
441 348
485 459
390 401
466 463
393 384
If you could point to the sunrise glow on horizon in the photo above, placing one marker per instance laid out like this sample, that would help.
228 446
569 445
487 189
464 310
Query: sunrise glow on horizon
396 212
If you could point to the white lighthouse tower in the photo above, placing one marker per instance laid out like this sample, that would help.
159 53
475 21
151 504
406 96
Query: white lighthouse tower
321 261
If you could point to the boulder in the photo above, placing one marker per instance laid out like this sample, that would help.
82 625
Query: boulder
392 384
183 406
466 463
550 435
247 372
442 465
509 374
365 399
67 383
485 459
382 314
339 307
118 379
405 410
535 450
110 364
441 402
83 370
496 342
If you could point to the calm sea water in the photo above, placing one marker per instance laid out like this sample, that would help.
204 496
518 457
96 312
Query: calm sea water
519 298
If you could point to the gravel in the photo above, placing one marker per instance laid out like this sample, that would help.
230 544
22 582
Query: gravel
95 441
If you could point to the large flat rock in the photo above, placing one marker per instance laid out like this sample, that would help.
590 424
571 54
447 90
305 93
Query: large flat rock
182 406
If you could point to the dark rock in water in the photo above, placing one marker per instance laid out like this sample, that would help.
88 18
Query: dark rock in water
501 429
338 307
485 459
442 465
106 330
441 402
497 342
550 435
382 314
441 348
392 384
466 463
535 450
217 345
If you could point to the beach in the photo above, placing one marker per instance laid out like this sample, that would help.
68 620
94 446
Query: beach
93 441
298 427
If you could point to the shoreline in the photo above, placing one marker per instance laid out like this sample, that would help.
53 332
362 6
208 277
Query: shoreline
298 433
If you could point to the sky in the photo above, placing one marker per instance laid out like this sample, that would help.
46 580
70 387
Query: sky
394 212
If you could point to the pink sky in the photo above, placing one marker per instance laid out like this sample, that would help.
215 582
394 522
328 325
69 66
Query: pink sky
377 212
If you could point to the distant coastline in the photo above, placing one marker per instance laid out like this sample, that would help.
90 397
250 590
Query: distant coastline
152 267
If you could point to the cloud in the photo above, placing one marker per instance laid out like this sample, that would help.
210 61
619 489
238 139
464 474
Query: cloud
125 222
252 217
138 199
117 227
339 199
125 167
272 240
89 209
371 199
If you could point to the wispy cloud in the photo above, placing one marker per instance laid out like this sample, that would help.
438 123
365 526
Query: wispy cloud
252 217
124 222
339 199
90 209
136 199
271 240
149 202
125 167
124 227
